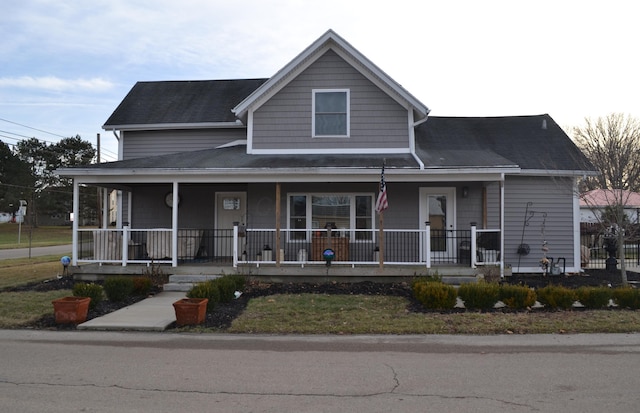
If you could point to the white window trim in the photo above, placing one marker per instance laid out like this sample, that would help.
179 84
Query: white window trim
352 213
313 113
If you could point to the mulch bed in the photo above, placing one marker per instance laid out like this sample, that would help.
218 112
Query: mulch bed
224 314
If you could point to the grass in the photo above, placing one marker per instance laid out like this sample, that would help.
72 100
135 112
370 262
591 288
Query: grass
40 236
18 309
358 314
20 271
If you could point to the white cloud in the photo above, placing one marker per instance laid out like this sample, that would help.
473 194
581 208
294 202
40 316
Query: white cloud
53 83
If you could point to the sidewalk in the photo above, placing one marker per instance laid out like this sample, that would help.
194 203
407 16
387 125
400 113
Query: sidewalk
151 314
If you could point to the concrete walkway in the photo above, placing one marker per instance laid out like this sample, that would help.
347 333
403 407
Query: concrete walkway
151 314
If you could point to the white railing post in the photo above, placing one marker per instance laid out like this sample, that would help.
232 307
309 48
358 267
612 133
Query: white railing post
235 244
125 245
428 243
473 245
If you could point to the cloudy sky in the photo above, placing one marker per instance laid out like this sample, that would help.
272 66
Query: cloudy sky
65 65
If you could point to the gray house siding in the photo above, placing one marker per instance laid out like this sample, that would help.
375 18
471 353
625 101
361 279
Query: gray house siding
553 196
284 122
140 144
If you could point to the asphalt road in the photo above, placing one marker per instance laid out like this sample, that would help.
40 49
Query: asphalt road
60 250
57 371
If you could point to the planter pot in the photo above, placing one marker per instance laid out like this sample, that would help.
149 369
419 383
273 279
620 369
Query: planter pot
190 311
71 310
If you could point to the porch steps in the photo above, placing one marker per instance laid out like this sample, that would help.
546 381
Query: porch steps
184 283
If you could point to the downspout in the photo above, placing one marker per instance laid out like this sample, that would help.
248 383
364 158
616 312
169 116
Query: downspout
413 146
119 216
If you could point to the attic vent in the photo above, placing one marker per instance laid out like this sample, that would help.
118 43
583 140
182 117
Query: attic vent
544 124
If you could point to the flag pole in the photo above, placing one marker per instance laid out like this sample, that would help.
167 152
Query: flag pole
381 205
381 237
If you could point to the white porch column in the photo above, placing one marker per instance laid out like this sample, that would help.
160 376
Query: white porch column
105 208
174 226
76 216
502 226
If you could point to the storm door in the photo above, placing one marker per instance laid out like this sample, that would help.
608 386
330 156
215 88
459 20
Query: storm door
230 207
437 206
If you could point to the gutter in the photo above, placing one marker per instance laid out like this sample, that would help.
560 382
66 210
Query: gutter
413 147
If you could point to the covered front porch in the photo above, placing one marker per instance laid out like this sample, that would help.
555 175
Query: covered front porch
200 224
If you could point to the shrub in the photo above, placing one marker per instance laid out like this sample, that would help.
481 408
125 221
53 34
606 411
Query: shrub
208 289
219 290
627 297
92 290
517 296
554 297
594 297
156 275
118 288
435 295
481 295
141 285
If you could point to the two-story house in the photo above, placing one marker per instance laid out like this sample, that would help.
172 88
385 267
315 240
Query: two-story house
276 172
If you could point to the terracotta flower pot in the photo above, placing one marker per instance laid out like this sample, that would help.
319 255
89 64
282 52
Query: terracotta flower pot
71 310
190 311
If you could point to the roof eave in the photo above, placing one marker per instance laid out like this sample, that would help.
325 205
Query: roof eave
161 126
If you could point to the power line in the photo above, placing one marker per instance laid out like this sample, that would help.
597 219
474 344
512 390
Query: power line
109 153
29 127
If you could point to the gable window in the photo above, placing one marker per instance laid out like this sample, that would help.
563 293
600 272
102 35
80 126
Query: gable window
330 113
350 215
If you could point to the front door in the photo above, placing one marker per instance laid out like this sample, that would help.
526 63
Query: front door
230 207
437 205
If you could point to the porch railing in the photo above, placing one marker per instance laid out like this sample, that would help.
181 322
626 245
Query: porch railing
428 247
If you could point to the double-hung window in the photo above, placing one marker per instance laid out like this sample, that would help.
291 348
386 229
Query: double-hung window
330 113
350 214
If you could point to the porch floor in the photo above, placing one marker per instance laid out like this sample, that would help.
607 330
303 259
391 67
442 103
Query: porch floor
285 273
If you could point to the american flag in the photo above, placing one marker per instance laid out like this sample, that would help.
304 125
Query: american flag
381 202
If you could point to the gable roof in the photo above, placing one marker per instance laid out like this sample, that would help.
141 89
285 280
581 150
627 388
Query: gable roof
331 41
531 142
200 103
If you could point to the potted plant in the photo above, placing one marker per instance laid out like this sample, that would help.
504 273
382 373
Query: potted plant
71 310
190 311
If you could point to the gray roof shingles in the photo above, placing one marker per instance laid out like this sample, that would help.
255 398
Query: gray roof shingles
530 142
188 102
527 142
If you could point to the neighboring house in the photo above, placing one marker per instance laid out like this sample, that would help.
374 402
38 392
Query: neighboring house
276 171
594 203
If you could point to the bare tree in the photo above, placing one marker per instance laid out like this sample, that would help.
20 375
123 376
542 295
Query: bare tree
612 144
